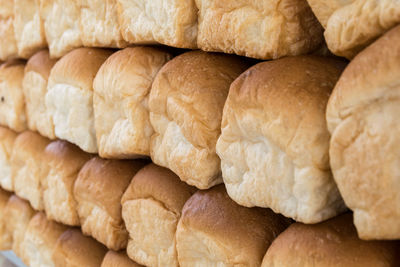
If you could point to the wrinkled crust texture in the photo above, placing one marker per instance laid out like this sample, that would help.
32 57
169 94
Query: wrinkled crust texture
8 44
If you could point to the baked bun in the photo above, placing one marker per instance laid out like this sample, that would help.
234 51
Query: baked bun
37 72
151 208
8 44
28 167
28 27
121 93
363 118
351 25
61 25
18 213
99 23
40 238
7 139
261 29
169 22
73 249
185 112
64 160
274 142
5 236
215 231
98 192
12 102
331 243
69 97
118 259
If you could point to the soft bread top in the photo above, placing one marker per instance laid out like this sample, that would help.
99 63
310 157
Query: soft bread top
118 259
7 139
79 67
188 104
323 9
331 243
73 249
40 63
161 184
103 182
243 233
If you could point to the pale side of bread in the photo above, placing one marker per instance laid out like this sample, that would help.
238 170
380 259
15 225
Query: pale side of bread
8 44
151 208
274 142
12 102
98 191
40 238
363 118
73 249
186 103
118 259
61 25
121 93
352 25
28 167
37 71
28 27
69 97
7 139
168 22
5 235
329 244
18 213
264 29
215 231
64 160
99 24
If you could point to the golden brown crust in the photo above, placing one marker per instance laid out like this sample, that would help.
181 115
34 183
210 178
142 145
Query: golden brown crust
118 259
75 249
331 243
7 139
41 63
161 184
5 236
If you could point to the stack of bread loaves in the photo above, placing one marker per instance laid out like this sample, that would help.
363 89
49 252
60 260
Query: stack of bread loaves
200 132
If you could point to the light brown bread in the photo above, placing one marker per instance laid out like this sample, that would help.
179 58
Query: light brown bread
7 139
5 235
151 208
186 111
215 231
8 44
118 259
98 191
363 119
121 94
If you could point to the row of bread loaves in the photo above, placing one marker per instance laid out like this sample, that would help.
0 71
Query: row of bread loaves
261 29
211 232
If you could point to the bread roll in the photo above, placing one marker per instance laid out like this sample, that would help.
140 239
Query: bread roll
118 259
37 72
12 102
169 22
28 27
28 167
331 243
351 25
274 142
64 160
7 139
98 192
121 93
18 213
99 23
5 235
73 249
186 102
151 208
215 231
8 44
69 97
40 238
363 118
261 29
61 25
